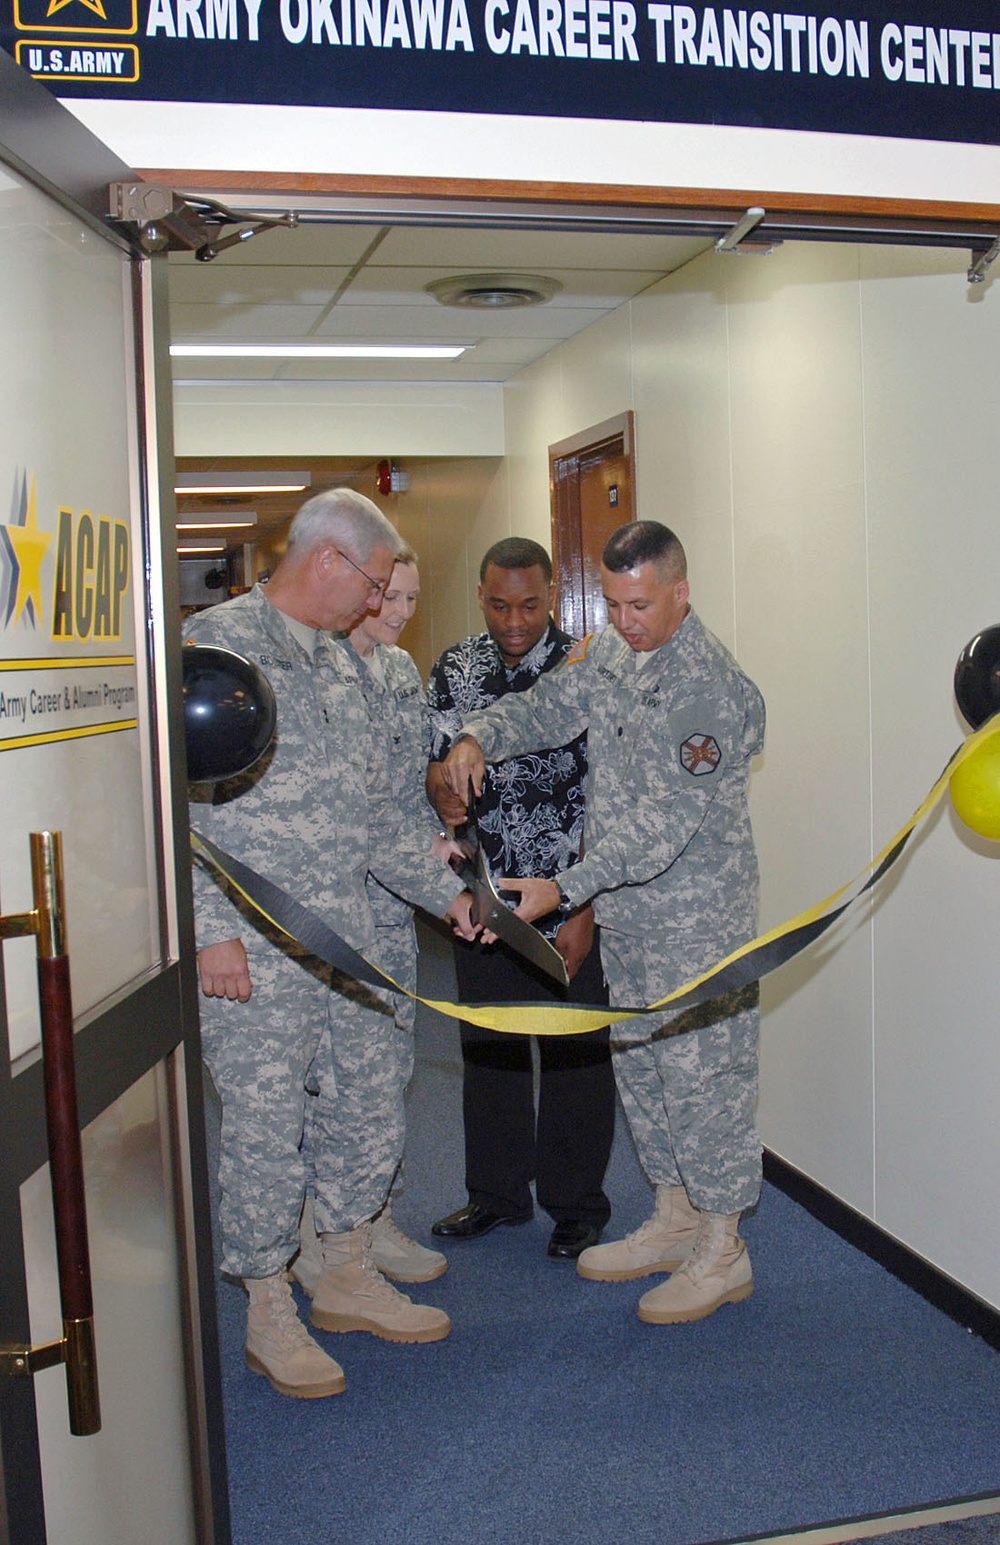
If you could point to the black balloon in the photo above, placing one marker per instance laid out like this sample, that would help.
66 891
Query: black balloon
977 677
229 713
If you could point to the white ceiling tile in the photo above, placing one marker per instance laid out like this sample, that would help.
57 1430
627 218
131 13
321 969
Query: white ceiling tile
263 284
340 245
242 324
314 282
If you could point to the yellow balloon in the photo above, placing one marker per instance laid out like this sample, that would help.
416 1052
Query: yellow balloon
975 789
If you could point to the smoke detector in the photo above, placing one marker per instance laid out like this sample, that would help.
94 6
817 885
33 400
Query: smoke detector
494 292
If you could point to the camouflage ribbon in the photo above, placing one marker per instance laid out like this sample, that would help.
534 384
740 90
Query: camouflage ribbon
749 963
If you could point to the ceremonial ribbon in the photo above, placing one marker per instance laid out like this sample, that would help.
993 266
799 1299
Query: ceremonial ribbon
736 971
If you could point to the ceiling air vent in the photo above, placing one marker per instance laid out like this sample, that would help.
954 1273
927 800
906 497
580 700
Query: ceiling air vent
494 292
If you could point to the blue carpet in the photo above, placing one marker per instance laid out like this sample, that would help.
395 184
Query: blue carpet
551 1414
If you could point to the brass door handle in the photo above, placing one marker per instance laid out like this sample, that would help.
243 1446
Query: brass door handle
47 921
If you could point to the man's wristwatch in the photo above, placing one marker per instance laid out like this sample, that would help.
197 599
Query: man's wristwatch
565 905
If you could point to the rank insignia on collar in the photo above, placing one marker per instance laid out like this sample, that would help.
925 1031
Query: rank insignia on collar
700 754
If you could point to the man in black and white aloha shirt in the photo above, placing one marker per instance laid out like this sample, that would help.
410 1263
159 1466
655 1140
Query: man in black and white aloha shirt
530 821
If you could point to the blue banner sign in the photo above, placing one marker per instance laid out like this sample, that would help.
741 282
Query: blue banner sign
917 71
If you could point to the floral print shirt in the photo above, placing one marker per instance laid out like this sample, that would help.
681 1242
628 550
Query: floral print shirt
531 811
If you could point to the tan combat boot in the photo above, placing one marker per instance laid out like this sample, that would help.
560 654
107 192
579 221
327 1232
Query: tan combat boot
395 1254
717 1272
398 1256
662 1243
352 1294
280 1347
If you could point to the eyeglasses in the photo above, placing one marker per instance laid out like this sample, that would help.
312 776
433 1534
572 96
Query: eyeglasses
380 586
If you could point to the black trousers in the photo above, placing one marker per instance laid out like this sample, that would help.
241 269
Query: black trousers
565 1150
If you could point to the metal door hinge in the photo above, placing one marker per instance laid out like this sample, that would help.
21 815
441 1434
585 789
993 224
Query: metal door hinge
161 220
981 264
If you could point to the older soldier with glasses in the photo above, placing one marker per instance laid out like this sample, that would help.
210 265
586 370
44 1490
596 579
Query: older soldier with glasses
316 814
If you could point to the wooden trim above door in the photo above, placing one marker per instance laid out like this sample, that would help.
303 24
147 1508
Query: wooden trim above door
936 215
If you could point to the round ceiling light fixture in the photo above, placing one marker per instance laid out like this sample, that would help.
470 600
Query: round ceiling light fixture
494 292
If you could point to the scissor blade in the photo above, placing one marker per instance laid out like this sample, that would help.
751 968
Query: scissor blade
490 910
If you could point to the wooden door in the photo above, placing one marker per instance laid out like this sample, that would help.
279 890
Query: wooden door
592 483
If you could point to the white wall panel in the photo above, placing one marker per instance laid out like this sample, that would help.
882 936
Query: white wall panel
801 584
595 367
795 372
682 427
931 399
307 418
579 385
801 625
534 419
820 428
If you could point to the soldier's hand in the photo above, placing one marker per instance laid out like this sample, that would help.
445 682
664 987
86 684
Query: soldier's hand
452 810
463 922
574 939
224 971
446 848
538 897
465 760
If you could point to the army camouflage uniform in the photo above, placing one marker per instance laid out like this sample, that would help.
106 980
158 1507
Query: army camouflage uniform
671 867
397 705
397 710
314 815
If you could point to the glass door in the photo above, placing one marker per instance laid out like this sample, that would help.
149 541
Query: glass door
89 670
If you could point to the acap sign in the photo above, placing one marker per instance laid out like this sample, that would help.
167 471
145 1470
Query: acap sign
91 571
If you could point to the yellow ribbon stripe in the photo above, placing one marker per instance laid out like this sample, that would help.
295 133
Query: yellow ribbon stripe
815 913
284 913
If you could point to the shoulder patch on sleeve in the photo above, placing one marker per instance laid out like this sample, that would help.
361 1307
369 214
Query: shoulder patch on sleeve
579 650
700 754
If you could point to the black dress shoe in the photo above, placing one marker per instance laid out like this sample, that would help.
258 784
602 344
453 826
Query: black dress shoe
473 1221
569 1238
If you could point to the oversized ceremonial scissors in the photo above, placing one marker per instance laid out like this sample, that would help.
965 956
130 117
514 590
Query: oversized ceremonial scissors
490 909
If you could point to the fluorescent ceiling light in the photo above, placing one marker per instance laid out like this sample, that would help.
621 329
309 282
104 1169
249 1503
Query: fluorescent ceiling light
214 525
187 549
212 483
216 520
319 350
